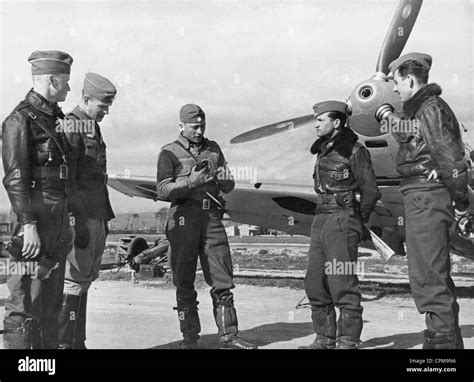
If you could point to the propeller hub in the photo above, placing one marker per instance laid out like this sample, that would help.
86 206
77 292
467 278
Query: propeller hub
364 101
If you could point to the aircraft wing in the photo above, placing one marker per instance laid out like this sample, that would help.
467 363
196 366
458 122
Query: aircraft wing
288 208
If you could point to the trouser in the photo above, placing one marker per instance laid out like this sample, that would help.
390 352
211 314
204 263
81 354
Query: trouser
429 223
331 277
83 264
32 309
82 268
196 233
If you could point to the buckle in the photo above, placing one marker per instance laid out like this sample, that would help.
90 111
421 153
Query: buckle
63 172
206 204
33 184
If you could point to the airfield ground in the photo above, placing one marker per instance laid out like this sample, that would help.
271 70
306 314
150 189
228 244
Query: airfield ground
269 285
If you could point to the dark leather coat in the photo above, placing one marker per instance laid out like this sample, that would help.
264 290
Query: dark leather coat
436 146
31 158
343 167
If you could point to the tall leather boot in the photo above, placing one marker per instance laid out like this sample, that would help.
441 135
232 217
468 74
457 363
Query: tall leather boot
459 340
324 323
49 327
225 316
434 340
17 333
79 340
189 324
349 328
67 320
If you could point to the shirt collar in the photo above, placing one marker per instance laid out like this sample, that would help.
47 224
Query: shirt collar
186 143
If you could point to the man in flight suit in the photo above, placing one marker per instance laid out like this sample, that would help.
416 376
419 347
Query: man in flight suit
432 163
35 159
89 204
194 228
343 167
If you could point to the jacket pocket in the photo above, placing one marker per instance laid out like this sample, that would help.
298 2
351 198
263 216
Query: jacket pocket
91 147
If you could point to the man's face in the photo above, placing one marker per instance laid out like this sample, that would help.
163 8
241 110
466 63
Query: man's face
96 109
402 86
193 132
324 126
60 86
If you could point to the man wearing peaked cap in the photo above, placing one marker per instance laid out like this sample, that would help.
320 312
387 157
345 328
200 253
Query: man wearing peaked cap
343 167
36 157
192 172
434 171
89 204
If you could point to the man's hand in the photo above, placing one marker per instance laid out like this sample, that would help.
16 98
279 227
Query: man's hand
82 235
383 111
464 223
31 241
198 178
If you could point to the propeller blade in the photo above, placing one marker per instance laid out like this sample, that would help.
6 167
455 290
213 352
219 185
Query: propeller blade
272 129
398 33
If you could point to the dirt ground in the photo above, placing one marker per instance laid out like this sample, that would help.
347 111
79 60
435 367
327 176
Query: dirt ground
124 315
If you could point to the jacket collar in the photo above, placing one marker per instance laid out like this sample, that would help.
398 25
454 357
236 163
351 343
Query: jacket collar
78 112
42 104
413 104
343 143
187 144
81 114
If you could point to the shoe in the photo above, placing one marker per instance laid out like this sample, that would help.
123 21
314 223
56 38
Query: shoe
189 344
320 344
234 342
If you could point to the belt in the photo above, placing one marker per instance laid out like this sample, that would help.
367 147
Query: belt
421 181
330 207
59 172
204 204
94 177
325 198
326 203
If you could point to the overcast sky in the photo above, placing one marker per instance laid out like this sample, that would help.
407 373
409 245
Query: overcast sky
247 63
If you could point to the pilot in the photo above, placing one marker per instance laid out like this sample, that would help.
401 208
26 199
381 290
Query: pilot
194 228
343 168
35 160
431 161
89 205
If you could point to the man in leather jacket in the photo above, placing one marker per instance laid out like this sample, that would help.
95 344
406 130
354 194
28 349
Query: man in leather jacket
343 167
432 162
35 159
194 228
89 204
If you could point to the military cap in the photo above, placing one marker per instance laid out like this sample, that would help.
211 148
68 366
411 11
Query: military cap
99 87
192 113
327 106
422 58
50 62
